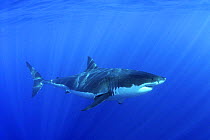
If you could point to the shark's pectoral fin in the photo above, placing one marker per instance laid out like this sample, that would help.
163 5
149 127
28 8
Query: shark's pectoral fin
97 100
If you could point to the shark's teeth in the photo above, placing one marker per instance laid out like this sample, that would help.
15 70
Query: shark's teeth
151 86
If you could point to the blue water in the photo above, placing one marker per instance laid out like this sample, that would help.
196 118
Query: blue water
167 38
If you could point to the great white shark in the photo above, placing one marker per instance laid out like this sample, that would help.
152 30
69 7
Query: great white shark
101 84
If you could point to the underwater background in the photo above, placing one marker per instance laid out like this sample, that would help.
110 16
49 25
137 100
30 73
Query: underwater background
167 38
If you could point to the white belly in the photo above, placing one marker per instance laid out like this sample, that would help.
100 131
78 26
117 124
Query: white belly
133 91
87 95
120 93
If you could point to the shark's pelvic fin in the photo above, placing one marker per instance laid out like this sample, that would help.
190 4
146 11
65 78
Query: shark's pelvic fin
67 91
38 80
97 100
91 64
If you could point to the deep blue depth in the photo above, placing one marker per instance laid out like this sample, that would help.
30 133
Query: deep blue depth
171 39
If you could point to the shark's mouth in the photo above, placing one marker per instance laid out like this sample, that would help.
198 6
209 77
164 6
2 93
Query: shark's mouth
150 85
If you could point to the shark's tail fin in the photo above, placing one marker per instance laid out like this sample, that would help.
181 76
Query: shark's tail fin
38 80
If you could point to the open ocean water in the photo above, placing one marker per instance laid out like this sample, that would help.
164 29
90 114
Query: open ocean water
167 38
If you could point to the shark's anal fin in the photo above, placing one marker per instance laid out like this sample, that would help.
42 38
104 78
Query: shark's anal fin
120 101
97 100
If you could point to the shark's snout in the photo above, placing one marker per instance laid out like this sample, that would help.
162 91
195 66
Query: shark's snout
161 80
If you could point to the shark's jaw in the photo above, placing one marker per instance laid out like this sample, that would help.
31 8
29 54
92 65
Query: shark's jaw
146 87
134 90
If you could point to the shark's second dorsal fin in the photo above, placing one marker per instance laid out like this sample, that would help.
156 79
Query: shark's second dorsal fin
91 64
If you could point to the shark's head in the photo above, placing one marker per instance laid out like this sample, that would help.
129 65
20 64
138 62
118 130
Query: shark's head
142 81
150 82
146 81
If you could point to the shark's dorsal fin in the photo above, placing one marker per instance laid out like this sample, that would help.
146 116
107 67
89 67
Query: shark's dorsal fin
91 64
